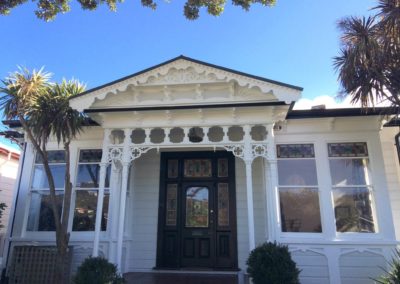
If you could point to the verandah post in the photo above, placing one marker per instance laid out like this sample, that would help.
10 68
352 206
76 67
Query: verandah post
100 195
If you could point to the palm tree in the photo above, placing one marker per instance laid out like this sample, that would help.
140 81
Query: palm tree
44 112
369 60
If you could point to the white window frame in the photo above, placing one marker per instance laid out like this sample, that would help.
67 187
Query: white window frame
369 185
300 235
30 190
107 190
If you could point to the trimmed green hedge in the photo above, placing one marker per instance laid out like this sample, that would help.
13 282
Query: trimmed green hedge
271 263
97 270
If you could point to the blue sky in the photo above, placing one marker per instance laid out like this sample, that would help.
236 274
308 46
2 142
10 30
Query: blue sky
293 42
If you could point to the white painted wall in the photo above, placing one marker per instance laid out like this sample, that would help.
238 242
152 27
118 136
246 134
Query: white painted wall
142 212
392 169
241 205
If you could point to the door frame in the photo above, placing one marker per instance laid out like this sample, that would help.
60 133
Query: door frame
175 235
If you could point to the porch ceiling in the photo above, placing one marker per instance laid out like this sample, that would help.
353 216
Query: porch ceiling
197 116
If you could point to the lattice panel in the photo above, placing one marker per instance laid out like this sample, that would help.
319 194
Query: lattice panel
34 265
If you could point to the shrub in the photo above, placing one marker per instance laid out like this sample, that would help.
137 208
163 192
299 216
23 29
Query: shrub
393 275
97 270
272 263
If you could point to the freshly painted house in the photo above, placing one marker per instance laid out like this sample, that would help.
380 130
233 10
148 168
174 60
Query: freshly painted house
190 166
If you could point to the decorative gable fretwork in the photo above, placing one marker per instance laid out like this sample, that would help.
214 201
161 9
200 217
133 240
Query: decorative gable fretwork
184 82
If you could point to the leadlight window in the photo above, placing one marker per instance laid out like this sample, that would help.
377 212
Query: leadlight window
298 188
173 168
40 216
86 192
172 203
197 168
223 167
223 204
351 187
197 207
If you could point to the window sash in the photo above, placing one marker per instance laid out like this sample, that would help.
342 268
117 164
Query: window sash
295 216
86 216
37 221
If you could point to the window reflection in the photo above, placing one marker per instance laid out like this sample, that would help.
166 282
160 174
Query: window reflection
197 207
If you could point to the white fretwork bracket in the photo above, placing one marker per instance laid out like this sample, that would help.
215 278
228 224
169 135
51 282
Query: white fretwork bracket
237 150
248 152
115 154
136 152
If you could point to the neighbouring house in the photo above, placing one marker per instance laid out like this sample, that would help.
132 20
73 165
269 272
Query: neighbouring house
9 159
188 165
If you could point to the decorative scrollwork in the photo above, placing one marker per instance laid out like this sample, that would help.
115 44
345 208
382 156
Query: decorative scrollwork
259 150
136 152
237 150
115 154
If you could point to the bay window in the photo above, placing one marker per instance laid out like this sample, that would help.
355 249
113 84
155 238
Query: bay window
351 187
298 188
40 216
86 192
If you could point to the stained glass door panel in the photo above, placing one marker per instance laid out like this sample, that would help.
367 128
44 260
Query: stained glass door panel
198 230
197 201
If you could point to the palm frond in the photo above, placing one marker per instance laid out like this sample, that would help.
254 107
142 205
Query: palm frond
53 115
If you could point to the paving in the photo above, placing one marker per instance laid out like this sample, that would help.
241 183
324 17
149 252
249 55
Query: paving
179 278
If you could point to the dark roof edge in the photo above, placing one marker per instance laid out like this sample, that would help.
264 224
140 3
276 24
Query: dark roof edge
17 123
276 103
340 112
192 60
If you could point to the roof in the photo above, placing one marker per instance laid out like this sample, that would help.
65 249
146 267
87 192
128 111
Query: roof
194 61
292 114
340 112
7 151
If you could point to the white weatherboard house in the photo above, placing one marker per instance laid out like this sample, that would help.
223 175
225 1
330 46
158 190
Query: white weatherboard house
190 166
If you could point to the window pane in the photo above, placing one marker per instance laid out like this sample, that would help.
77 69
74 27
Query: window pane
358 149
57 156
197 168
89 176
353 210
222 167
197 207
40 178
223 204
90 156
85 211
295 151
349 171
40 212
297 172
172 168
300 210
172 191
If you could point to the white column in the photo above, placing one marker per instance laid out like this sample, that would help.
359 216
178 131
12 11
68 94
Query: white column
100 195
248 159
250 204
270 168
121 218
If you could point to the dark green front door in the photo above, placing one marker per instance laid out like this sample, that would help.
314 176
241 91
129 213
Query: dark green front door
197 211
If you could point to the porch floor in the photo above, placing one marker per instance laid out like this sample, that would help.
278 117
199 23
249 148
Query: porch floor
179 278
